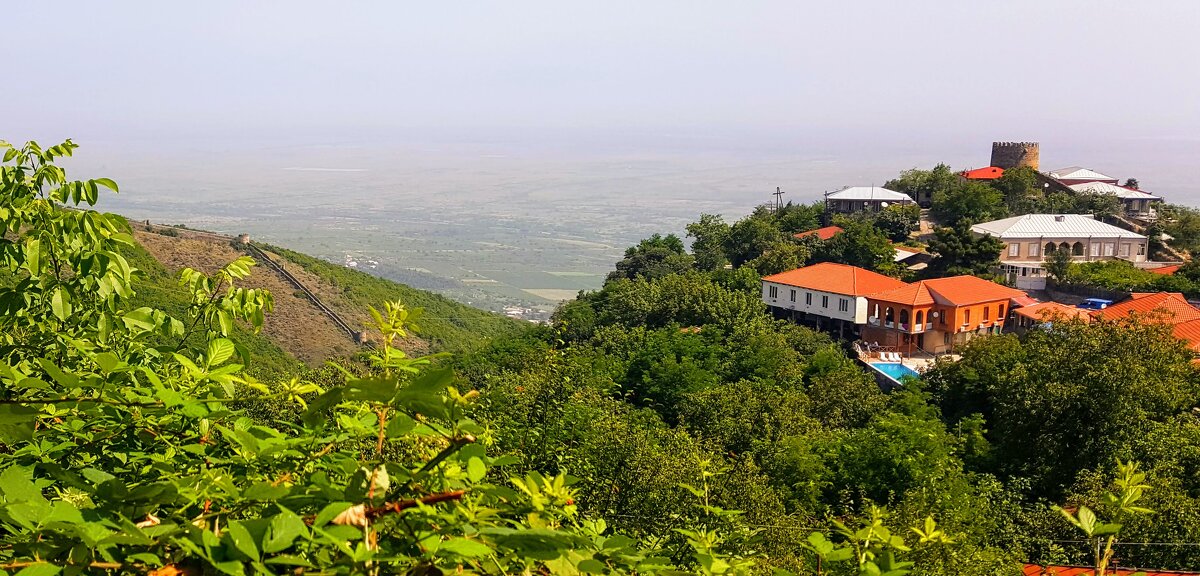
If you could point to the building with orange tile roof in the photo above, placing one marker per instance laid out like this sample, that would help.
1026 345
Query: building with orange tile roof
828 295
937 315
822 233
1167 270
1041 313
1169 307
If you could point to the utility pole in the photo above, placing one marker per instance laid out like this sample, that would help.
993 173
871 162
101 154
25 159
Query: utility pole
778 194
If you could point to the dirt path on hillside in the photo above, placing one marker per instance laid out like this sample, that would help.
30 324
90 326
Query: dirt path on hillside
296 325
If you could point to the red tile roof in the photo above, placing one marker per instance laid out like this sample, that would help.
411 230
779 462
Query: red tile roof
836 279
1172 304
1046 311
955 291
915 294
989 173
1188 332
822 233
1165 269
1035 570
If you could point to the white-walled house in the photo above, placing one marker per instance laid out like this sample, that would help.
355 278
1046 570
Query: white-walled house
828 295
1030 239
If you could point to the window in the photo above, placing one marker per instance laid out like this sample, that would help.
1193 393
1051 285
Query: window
1014 249
1110 248
1033 249
1051 247
808 298
966 316
1095 249
986 313
1124 250
1077 249
889 316
773 292
903 318
942 318
1141 249
844 305
824 301
793 295
920 317
999 311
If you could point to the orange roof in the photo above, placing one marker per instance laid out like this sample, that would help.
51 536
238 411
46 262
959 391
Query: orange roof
1171 303
1043 311
1189 332
1165 269
955 291
822 233
836 278
989 173
915 294
1035 570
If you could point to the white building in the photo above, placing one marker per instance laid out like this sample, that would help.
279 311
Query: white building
863 199
1030 239
828 295
1135 202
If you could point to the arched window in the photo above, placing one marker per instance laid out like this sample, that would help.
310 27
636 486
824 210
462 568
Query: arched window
920 318
904 317
1050 248
1077 249
889 315
1065 247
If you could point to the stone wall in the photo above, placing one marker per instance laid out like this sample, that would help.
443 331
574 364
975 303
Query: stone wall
1013 154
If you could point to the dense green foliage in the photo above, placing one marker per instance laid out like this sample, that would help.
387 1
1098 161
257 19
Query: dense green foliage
1122 276
446 324
962 252
664 423
125 447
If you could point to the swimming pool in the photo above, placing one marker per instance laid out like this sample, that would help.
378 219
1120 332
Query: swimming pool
895 370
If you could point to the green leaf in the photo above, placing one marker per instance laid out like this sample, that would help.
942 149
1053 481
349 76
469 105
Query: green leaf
33 251
60 303
329 512
140 320
476 469
465 547
107 183
592 565
40 569
242 540
284 528
16 485
219 351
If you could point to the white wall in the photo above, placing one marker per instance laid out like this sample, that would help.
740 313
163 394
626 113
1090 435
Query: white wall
856 307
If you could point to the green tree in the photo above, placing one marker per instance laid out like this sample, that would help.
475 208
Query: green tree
709 234
654 257
859 244
1021 189
780 257
1058 264
968 203
923 185
898 221
961 251
750 237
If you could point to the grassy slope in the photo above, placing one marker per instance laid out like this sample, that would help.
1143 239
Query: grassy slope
159 288
447 325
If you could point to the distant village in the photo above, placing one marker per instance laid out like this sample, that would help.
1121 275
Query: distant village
898 328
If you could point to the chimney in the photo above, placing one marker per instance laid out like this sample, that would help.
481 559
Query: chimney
1060 218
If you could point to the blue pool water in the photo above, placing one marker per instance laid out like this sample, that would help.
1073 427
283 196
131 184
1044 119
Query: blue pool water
895 370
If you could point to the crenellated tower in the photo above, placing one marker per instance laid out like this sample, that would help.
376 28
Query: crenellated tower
1013 154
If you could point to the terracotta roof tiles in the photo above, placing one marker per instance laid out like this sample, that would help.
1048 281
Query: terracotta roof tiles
837 279
1173 304
822 233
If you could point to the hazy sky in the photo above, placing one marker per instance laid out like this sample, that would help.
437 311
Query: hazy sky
1039 69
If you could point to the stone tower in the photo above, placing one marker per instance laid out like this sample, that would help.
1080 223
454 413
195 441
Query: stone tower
1013 154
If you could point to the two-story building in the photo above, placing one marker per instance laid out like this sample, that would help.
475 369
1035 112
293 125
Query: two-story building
1136 203
827 296
1030 239
852 199
937 315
